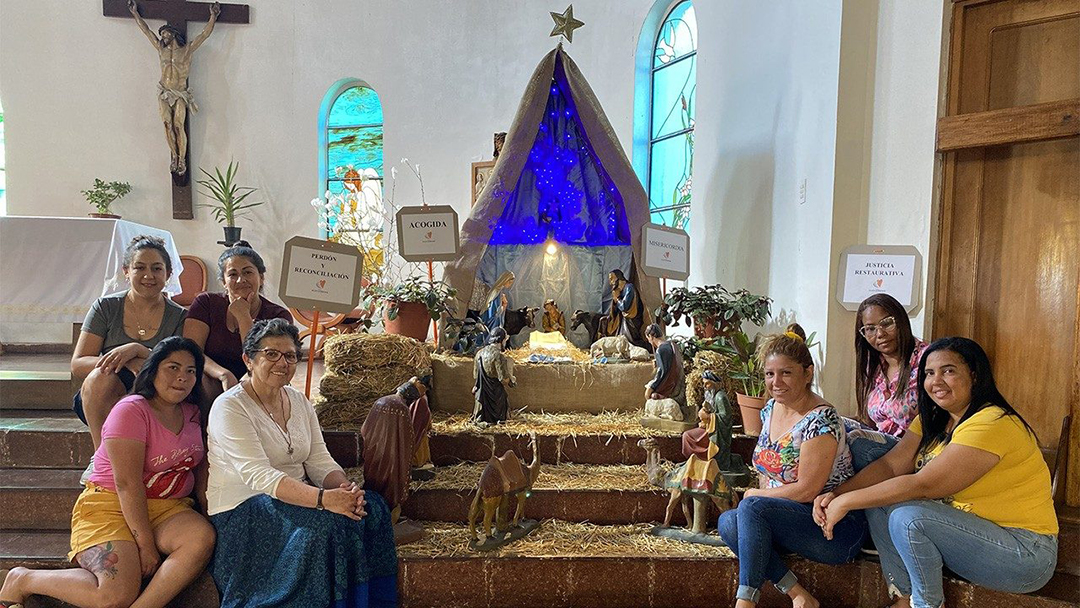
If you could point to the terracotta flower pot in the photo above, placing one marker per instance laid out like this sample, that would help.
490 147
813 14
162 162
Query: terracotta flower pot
750 407
705 328
412 320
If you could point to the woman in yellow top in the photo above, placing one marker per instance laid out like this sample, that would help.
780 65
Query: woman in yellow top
966 488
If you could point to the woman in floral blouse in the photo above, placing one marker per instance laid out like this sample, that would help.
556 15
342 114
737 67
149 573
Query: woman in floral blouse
886 377
802 452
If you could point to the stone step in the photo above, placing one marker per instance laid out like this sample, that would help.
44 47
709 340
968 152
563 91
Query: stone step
201 593
64 443
35 390
672 576
583 438
38 499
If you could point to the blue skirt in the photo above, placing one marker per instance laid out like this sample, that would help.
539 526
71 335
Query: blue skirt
270 553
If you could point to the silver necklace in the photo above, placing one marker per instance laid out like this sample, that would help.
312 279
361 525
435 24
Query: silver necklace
286 434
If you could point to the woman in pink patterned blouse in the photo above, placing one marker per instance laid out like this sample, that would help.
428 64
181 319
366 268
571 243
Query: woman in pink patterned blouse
886 376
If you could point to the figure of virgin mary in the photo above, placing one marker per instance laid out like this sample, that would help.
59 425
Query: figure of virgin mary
495 312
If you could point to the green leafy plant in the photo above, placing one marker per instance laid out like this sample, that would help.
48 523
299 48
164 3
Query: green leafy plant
102 194
436 296
746 370
229 196
713 306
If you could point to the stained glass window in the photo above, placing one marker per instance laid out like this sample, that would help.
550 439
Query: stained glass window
354 136
671 124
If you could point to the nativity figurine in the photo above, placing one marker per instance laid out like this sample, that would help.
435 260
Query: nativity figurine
388 437
493 368
414 393
665 395
554 319
627 314
503 480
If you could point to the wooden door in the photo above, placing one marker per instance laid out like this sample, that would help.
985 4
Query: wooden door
1008 266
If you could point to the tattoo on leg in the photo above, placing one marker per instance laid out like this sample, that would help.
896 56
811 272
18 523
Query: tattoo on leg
100 560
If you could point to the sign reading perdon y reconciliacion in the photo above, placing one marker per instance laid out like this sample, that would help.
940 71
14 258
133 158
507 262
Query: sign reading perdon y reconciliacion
320 275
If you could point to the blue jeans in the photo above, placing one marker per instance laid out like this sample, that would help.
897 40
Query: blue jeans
916 538
867 446
762 527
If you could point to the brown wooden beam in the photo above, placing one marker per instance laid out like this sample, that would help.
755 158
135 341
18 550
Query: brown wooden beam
1011 125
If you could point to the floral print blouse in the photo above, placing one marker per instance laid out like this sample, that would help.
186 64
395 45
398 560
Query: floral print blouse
892 414
778 460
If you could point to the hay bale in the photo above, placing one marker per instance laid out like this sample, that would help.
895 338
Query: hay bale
352 353
360 368
718 364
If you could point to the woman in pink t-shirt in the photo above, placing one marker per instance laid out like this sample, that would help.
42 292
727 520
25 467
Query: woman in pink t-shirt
136 504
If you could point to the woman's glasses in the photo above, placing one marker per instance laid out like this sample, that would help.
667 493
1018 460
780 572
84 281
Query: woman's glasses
885 325
273 355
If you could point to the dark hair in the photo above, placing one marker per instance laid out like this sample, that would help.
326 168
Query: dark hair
984 392
408 392
868 359
619 275
790 344
144 382
181 38
497 336
241 248
268 328
144 241
653 331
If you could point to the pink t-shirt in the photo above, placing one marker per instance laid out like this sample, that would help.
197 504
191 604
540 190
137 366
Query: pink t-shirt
170 457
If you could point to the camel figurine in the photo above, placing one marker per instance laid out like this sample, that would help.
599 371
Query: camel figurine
722 495
503 478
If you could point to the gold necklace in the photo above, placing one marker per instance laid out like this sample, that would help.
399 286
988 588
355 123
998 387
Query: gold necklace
139 329
286 434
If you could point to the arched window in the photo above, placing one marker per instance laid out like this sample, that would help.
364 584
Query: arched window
351 161
665 135
352 133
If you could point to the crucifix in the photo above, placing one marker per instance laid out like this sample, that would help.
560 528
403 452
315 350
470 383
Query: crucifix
175 100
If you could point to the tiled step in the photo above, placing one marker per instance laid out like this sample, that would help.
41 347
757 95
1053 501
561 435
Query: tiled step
64 443
502 578
38 499
202 593
35 390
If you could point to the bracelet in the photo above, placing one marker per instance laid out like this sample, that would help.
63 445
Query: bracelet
318 504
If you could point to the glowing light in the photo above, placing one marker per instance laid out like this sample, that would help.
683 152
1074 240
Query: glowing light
551 248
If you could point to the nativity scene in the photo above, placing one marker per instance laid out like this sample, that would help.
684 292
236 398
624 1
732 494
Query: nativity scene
659 328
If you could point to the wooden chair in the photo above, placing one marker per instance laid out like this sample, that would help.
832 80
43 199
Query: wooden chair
192 280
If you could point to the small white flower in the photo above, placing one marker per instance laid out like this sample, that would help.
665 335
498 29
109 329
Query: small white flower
393 172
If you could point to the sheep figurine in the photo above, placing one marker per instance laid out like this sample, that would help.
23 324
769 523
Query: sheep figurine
612 347
668 409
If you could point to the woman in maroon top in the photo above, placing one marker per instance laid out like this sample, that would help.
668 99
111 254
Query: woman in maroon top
218 322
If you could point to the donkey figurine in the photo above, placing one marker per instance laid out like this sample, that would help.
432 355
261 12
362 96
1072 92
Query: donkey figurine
503 478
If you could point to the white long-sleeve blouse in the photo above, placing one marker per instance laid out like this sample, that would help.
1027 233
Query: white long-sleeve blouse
248 452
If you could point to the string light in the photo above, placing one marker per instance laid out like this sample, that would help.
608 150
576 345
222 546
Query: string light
547 206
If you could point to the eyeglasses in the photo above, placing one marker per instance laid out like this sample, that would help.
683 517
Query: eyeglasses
273 355
885 325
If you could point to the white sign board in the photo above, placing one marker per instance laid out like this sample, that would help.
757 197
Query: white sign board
428 233
869 269
320 275
666 252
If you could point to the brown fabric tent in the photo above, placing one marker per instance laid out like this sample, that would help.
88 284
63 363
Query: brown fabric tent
477 229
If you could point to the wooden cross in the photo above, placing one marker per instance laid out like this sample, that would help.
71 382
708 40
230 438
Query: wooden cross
178 13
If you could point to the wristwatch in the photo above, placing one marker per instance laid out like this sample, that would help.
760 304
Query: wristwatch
318 504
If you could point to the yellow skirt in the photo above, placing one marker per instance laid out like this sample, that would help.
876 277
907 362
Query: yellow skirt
97 517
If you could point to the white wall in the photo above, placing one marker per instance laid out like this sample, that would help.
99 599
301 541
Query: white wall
78 94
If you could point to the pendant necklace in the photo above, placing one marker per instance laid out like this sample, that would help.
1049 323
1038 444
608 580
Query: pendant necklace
142 331
286 434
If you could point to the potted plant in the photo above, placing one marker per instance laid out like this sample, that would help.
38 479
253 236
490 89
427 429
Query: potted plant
714 310
409 307
230 199
749 377
102 194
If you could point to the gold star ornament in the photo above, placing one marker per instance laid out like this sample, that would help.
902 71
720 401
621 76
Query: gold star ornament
565 24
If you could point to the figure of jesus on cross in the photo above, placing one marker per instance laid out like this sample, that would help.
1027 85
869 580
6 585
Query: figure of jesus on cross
174 98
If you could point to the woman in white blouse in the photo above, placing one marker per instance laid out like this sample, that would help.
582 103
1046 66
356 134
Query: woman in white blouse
292 530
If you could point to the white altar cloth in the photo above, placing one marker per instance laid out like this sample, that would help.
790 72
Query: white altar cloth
53 268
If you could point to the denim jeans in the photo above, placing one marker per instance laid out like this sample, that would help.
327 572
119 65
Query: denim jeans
867 446
916 538
761 528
